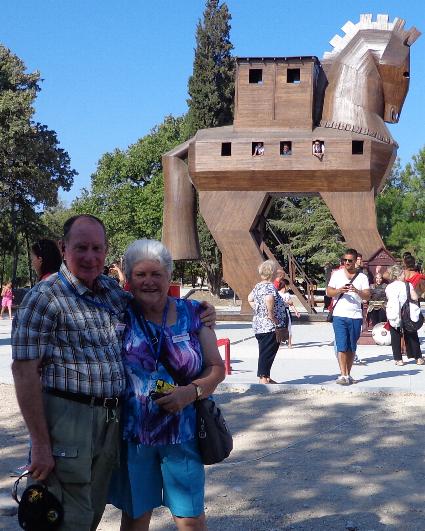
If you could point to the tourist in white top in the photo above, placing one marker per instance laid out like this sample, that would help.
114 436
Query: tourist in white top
397 296
349 288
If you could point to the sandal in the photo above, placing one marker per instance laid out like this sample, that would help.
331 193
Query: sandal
399 362
420 361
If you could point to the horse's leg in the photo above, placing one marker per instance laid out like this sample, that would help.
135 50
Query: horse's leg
231 218
356 217
179 232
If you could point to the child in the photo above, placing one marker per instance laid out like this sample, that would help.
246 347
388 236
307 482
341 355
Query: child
6 301
287 299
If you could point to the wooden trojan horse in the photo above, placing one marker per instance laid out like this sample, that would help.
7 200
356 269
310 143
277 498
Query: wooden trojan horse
343 101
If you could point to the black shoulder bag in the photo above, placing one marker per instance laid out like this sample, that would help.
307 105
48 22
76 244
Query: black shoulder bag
330 316
215 441
406 321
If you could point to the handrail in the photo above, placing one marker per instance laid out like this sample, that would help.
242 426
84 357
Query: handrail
294 269
306 301
298 266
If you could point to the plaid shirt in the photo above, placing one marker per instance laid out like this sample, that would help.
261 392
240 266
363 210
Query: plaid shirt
77 341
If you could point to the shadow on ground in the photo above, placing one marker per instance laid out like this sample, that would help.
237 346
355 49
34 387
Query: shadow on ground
310 460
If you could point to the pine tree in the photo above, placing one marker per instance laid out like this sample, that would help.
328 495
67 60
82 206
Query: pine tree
211 91
211 87
307 229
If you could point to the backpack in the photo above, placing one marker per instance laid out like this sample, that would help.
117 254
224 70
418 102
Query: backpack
406 321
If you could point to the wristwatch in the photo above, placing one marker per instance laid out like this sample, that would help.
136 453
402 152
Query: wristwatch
198 390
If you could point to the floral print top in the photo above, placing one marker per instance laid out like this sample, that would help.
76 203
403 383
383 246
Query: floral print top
261 322
144 421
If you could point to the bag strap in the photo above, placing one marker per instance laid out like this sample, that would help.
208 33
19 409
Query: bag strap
171 371
16 484
409 298
155 343
162 354
342 294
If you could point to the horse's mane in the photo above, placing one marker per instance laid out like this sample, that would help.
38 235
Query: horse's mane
366 23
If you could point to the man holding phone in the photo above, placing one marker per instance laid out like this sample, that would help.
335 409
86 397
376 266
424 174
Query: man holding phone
349 287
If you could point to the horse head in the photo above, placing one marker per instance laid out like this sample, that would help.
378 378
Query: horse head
394 69
368 73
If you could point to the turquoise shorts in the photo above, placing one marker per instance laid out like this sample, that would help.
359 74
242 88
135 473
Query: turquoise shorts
150 476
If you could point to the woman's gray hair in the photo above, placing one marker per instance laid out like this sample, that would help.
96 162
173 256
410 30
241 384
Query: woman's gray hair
395 272
268 269
147 250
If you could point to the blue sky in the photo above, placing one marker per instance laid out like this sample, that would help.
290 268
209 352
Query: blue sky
112 69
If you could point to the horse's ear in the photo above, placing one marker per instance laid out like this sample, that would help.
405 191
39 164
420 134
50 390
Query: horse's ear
412 35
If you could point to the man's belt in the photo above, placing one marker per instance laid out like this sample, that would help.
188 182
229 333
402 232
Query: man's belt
108 402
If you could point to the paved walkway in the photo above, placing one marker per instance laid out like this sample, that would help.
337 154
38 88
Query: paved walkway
310 363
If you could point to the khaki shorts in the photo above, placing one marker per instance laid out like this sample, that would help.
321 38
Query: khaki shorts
85 445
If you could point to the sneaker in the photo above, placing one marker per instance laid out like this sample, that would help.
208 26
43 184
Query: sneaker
343 380
351 380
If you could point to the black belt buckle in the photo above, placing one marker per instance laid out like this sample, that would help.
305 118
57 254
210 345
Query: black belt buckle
110 403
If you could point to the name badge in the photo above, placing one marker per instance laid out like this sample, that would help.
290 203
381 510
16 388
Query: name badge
181 337
120 327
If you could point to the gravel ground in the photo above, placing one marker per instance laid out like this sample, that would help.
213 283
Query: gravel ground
309 460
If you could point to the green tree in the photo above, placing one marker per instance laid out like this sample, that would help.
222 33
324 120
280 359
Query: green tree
127 187
32 165
401 208
211 91
53 219
211 86
307 229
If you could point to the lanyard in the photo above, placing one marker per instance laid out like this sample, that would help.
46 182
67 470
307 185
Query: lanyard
84 298
155 344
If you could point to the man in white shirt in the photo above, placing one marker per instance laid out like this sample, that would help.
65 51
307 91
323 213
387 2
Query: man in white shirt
349 288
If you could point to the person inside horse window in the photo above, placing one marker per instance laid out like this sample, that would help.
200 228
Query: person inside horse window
318 149
259 149
286 150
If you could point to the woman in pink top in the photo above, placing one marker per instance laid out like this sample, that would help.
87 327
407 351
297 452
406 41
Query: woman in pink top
7 298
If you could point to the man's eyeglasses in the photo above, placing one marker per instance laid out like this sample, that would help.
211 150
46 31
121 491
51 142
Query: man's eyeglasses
349 260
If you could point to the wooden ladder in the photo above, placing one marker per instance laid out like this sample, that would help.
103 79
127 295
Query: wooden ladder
292 272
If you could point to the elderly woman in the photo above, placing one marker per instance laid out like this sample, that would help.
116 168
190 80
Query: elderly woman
164 341
269 321
396 296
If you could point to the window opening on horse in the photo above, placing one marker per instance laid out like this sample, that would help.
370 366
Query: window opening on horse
293 75
285 148
256 75
226 149
257 149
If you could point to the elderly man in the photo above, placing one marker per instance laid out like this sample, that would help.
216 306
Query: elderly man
349 286
68 330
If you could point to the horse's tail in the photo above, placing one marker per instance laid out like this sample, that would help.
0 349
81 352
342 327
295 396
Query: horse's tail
179 232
